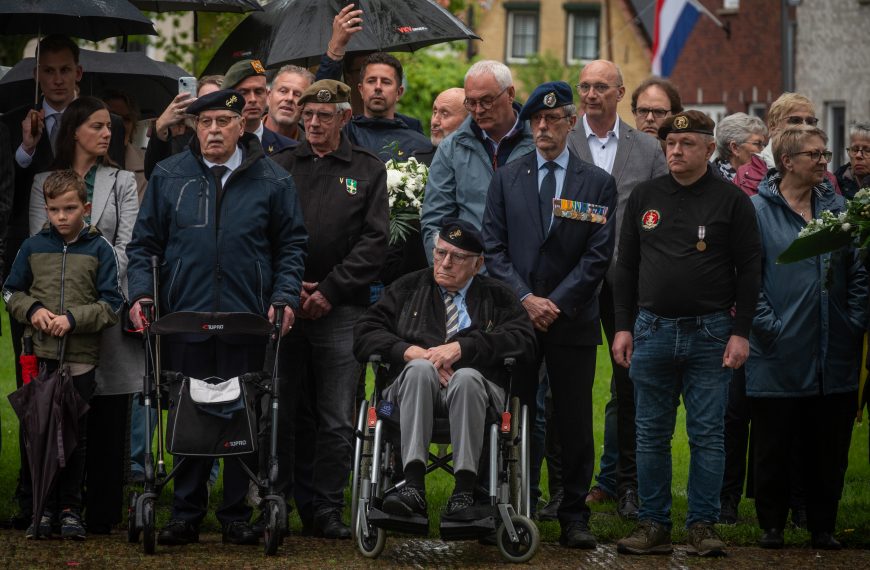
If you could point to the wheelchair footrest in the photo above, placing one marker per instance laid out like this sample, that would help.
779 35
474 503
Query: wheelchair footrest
467 530
414 524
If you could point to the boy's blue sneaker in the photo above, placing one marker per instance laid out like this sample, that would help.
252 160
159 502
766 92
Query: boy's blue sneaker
44 528
71 527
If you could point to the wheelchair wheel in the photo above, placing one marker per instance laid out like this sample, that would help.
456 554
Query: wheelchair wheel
361 432
272 530
132 530
529 540
149 531
372 546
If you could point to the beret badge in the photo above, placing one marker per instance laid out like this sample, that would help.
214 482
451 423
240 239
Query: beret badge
323 96
455 234
550 99
257 66
681 122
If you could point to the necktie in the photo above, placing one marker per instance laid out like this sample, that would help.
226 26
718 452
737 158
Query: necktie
547 194
53 130
451 314
218 171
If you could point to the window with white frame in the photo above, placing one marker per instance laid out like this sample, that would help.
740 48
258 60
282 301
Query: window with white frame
835 126
522 36
584 25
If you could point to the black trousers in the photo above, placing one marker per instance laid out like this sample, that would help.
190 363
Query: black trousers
212 357
822 427
106 461
571 371
626 465
737 440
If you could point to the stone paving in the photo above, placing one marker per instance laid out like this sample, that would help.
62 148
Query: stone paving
401 552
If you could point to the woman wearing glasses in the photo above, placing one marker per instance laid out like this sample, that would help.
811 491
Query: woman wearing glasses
805 346
738 137
855 174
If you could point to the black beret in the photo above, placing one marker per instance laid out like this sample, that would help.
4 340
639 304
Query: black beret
547 96
325 91
462 234
241 70
225 99
687 122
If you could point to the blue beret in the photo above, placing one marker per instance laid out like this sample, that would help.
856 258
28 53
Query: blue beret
462 234
227 99
547 96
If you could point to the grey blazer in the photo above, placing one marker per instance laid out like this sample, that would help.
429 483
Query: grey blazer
639 157
114 208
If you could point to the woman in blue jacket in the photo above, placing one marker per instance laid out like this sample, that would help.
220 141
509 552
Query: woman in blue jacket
805 346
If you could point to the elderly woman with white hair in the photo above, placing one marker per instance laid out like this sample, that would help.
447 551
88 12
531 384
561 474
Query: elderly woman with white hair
738 137
855 174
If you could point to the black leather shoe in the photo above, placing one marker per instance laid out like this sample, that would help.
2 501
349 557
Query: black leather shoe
406 502
460 507
576 534
825 541
178 532
627 506
240 532
551 511
771 538
728 509
329 525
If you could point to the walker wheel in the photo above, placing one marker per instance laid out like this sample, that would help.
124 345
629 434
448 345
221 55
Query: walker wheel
149 533
272 530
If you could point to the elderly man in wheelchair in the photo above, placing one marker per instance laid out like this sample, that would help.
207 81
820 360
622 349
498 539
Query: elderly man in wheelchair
445 333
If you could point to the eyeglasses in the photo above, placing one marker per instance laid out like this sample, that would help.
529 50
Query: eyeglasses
549 119
222 121
599 88
642 112
324 117
485 103
441 254
797 120
858 150
816 155
757 144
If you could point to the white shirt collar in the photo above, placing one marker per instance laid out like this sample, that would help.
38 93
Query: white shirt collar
232 163
612 132
561 160
259 131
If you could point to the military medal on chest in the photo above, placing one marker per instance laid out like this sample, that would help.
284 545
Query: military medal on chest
702 233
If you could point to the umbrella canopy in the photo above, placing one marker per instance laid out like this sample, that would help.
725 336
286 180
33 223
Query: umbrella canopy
48 408
297 31
88 19
152 84
198 5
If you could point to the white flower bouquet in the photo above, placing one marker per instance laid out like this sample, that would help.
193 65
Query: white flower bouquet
830 232
406 182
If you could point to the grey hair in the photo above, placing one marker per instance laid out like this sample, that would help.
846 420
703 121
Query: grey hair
570 109
301 71
737 127
497 69
860 130
343 106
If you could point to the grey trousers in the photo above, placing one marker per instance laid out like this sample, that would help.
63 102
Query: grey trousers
420 397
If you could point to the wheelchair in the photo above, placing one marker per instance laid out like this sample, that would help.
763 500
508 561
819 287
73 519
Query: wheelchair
376 473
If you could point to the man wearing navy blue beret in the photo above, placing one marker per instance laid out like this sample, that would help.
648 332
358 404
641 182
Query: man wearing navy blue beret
549 234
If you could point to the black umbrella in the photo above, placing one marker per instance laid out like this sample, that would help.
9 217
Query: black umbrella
88 19
198 5
151 83
49 408
297 31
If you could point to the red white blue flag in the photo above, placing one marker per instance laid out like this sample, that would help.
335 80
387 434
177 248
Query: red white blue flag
675 20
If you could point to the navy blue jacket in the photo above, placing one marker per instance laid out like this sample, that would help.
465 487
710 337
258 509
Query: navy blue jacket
387 138
273 142
565 265
239 254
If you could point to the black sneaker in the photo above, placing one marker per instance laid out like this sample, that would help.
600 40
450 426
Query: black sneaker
460 507
406 502
329 525
551 511
239 532
575 534
178 532
71 527
44 528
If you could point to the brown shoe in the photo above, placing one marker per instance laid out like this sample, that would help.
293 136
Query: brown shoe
598 495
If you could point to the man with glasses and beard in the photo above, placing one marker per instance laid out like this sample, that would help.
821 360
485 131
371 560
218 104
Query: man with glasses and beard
343 191
490 137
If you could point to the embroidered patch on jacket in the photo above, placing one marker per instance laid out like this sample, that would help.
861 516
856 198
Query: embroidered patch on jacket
581 211
350 185
651 219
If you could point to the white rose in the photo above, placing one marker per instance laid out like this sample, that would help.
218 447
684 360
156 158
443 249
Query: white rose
394 178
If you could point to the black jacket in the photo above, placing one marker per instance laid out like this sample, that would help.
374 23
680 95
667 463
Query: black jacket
344 201
387 138
411 312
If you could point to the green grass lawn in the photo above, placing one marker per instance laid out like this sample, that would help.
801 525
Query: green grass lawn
853 526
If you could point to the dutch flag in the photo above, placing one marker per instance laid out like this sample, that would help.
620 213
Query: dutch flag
675 20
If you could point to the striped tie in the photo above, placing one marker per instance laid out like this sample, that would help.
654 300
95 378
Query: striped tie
452 315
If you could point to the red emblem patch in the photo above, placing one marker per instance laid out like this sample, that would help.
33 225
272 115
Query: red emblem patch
651 219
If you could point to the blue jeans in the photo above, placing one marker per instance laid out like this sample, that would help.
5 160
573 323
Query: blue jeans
674 357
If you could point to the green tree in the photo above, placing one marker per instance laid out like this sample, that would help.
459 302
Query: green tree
540 69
